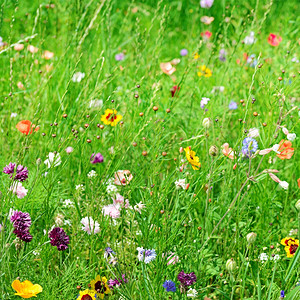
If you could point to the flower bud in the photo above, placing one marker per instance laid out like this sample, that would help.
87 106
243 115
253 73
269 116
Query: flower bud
206 122
230 265
251 237
213 151
38 161
297 205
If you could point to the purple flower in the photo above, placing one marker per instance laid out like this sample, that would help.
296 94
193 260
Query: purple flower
170 286
21 222
117 282
183 52
119 56
232 105
204 101
206 3
250 146
59 238
187 279
96 158
282 295
222 54
21 173
109 252
9 169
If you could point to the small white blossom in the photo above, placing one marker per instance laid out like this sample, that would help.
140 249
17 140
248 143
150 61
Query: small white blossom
53 160
250 39
263 257
291 136
92 174
192 293
253 133
79 187
78 76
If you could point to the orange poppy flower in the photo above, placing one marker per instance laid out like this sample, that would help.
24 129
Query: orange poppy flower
285 149
26 127
298 181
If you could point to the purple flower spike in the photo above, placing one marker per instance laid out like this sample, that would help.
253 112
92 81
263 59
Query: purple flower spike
96 158
187 279
59 238
9 169
21 222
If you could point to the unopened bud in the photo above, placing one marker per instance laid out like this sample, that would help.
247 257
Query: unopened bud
251 237
206 122
230 265
297 205
213 151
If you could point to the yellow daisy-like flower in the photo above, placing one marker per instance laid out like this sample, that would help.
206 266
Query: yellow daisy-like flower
192 158
26 289
99 285
204 71
87 295
291 246
196 55
110 117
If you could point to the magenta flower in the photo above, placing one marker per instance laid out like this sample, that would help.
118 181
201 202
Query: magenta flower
59 238
187 279
21 171
96 158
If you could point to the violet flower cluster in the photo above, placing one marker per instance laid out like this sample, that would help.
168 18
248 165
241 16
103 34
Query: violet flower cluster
187 279
59 238
21 222
21 171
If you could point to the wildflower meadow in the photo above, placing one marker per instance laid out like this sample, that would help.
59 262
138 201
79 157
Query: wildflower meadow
150 149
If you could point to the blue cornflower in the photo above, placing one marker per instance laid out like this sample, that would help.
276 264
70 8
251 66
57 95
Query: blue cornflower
282 295
250 146
170 286
232 105
146 255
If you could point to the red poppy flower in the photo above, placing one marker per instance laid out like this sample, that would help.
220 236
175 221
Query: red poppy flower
26 127
174 89
285 149
274 40
207 34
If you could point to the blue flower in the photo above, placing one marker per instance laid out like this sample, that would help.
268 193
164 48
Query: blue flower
250 146
146 255
170 286
282 294
252 61
232 105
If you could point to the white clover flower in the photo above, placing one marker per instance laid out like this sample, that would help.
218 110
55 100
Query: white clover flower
92 174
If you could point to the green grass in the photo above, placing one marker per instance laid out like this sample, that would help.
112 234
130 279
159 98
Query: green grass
195 224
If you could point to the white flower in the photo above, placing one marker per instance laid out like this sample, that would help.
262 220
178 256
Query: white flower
1 42
53 160
250 39
263 257
78 76
285 131
95 103
139 207
275 258
291 136
275 148
284 185
253 133
192 293
111 189
92 174
181 184
79 187
89 225
13 115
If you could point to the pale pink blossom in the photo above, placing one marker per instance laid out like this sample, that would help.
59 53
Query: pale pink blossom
227 151
172 259
69 150
122 177
181 184
119 200
89 225
112 211
19 190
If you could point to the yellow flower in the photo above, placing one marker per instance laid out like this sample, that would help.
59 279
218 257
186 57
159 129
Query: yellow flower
87 295
204 71
196 55
26 289
192 158
111 117
99 285
291 246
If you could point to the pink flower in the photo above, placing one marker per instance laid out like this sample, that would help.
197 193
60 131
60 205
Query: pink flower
274 40
227 151
112 211
19 190
89 225
172 259
119 200
206 35
123 177
69 150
